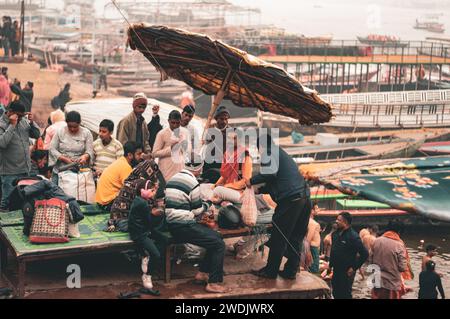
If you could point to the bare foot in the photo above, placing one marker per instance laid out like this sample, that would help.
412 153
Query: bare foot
201 277
216 289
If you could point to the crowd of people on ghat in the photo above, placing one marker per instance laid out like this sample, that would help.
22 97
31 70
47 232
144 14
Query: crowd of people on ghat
10 37
149 177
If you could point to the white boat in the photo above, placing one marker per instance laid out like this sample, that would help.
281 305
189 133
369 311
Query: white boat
94 111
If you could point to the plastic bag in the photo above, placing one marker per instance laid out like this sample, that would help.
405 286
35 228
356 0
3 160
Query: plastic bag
249 211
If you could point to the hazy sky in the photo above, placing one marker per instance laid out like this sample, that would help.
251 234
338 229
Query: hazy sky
341 18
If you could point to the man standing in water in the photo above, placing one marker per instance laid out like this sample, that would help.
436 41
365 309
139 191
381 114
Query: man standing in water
348 254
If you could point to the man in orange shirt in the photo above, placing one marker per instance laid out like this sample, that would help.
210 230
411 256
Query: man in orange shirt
114 176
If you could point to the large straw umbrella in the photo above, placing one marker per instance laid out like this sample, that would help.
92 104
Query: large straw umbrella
227 73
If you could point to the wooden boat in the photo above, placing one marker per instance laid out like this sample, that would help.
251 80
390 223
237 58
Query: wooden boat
435 148
382 40
431 26
365 213
431 135
359 146
332 202
159 90
363 112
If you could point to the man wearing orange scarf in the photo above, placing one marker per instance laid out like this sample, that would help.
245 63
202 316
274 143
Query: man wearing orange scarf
390 254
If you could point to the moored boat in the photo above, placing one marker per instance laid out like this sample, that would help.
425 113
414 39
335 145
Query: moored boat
382 40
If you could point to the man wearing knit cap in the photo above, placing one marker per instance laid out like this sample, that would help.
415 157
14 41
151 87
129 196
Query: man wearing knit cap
16 128
216 146
133 127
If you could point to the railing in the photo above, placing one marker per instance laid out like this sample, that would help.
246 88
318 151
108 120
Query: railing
402 97
390 109
301 46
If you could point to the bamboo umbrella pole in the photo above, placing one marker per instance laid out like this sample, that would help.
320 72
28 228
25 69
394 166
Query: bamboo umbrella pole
217 100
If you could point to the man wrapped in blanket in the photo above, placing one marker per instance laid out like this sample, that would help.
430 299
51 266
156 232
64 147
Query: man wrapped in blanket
145 171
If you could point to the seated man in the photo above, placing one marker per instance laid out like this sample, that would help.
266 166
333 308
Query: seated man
184 207
39 163
114 176
106 148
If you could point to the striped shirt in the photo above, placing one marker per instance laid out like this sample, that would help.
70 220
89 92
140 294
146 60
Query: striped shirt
183 201
106 155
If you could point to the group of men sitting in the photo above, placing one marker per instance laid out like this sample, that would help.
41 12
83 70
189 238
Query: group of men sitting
144 185
140 194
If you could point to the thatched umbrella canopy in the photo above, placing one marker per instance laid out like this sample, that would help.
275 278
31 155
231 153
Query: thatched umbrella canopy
226 72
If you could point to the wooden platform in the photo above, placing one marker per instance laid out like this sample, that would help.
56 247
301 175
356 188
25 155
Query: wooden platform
242 286
106 275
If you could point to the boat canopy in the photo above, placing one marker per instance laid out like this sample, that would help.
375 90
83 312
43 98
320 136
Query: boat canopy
420 186
94 111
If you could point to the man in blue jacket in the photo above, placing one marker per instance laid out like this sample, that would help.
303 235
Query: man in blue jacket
289 190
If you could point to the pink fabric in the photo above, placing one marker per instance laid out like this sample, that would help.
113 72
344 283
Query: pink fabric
51 131
5 91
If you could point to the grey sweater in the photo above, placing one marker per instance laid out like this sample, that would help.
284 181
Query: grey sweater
14 146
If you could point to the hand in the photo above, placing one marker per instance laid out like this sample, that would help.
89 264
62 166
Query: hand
83 160
174 141
155 109
30 118
247 183
350 272
65 159
213 186
13 119
147 156
156 212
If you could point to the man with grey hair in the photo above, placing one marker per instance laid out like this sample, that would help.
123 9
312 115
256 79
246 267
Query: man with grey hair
184 211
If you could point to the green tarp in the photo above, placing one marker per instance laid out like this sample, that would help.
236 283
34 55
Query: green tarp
91 230
419 186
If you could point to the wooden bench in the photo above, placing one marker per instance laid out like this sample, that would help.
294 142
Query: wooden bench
24 258
171 244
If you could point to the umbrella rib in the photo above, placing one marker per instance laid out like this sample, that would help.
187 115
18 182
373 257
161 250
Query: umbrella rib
268 82
252 96
183 58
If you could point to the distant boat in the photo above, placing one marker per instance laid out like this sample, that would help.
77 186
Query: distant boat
379 111
430 26
382 40
360 146
332 202
435 148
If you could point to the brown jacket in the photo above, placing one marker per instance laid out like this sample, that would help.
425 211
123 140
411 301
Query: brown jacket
390 256
126 131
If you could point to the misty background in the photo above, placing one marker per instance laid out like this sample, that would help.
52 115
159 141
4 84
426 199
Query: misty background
344 19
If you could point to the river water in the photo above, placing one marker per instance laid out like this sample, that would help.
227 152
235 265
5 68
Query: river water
346 19
416 252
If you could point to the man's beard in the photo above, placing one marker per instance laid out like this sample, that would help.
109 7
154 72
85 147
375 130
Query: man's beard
135 162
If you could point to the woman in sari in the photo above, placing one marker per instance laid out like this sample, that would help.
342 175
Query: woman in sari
235 170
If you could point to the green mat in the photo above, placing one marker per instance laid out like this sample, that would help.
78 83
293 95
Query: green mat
91 230
11 219
15 218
